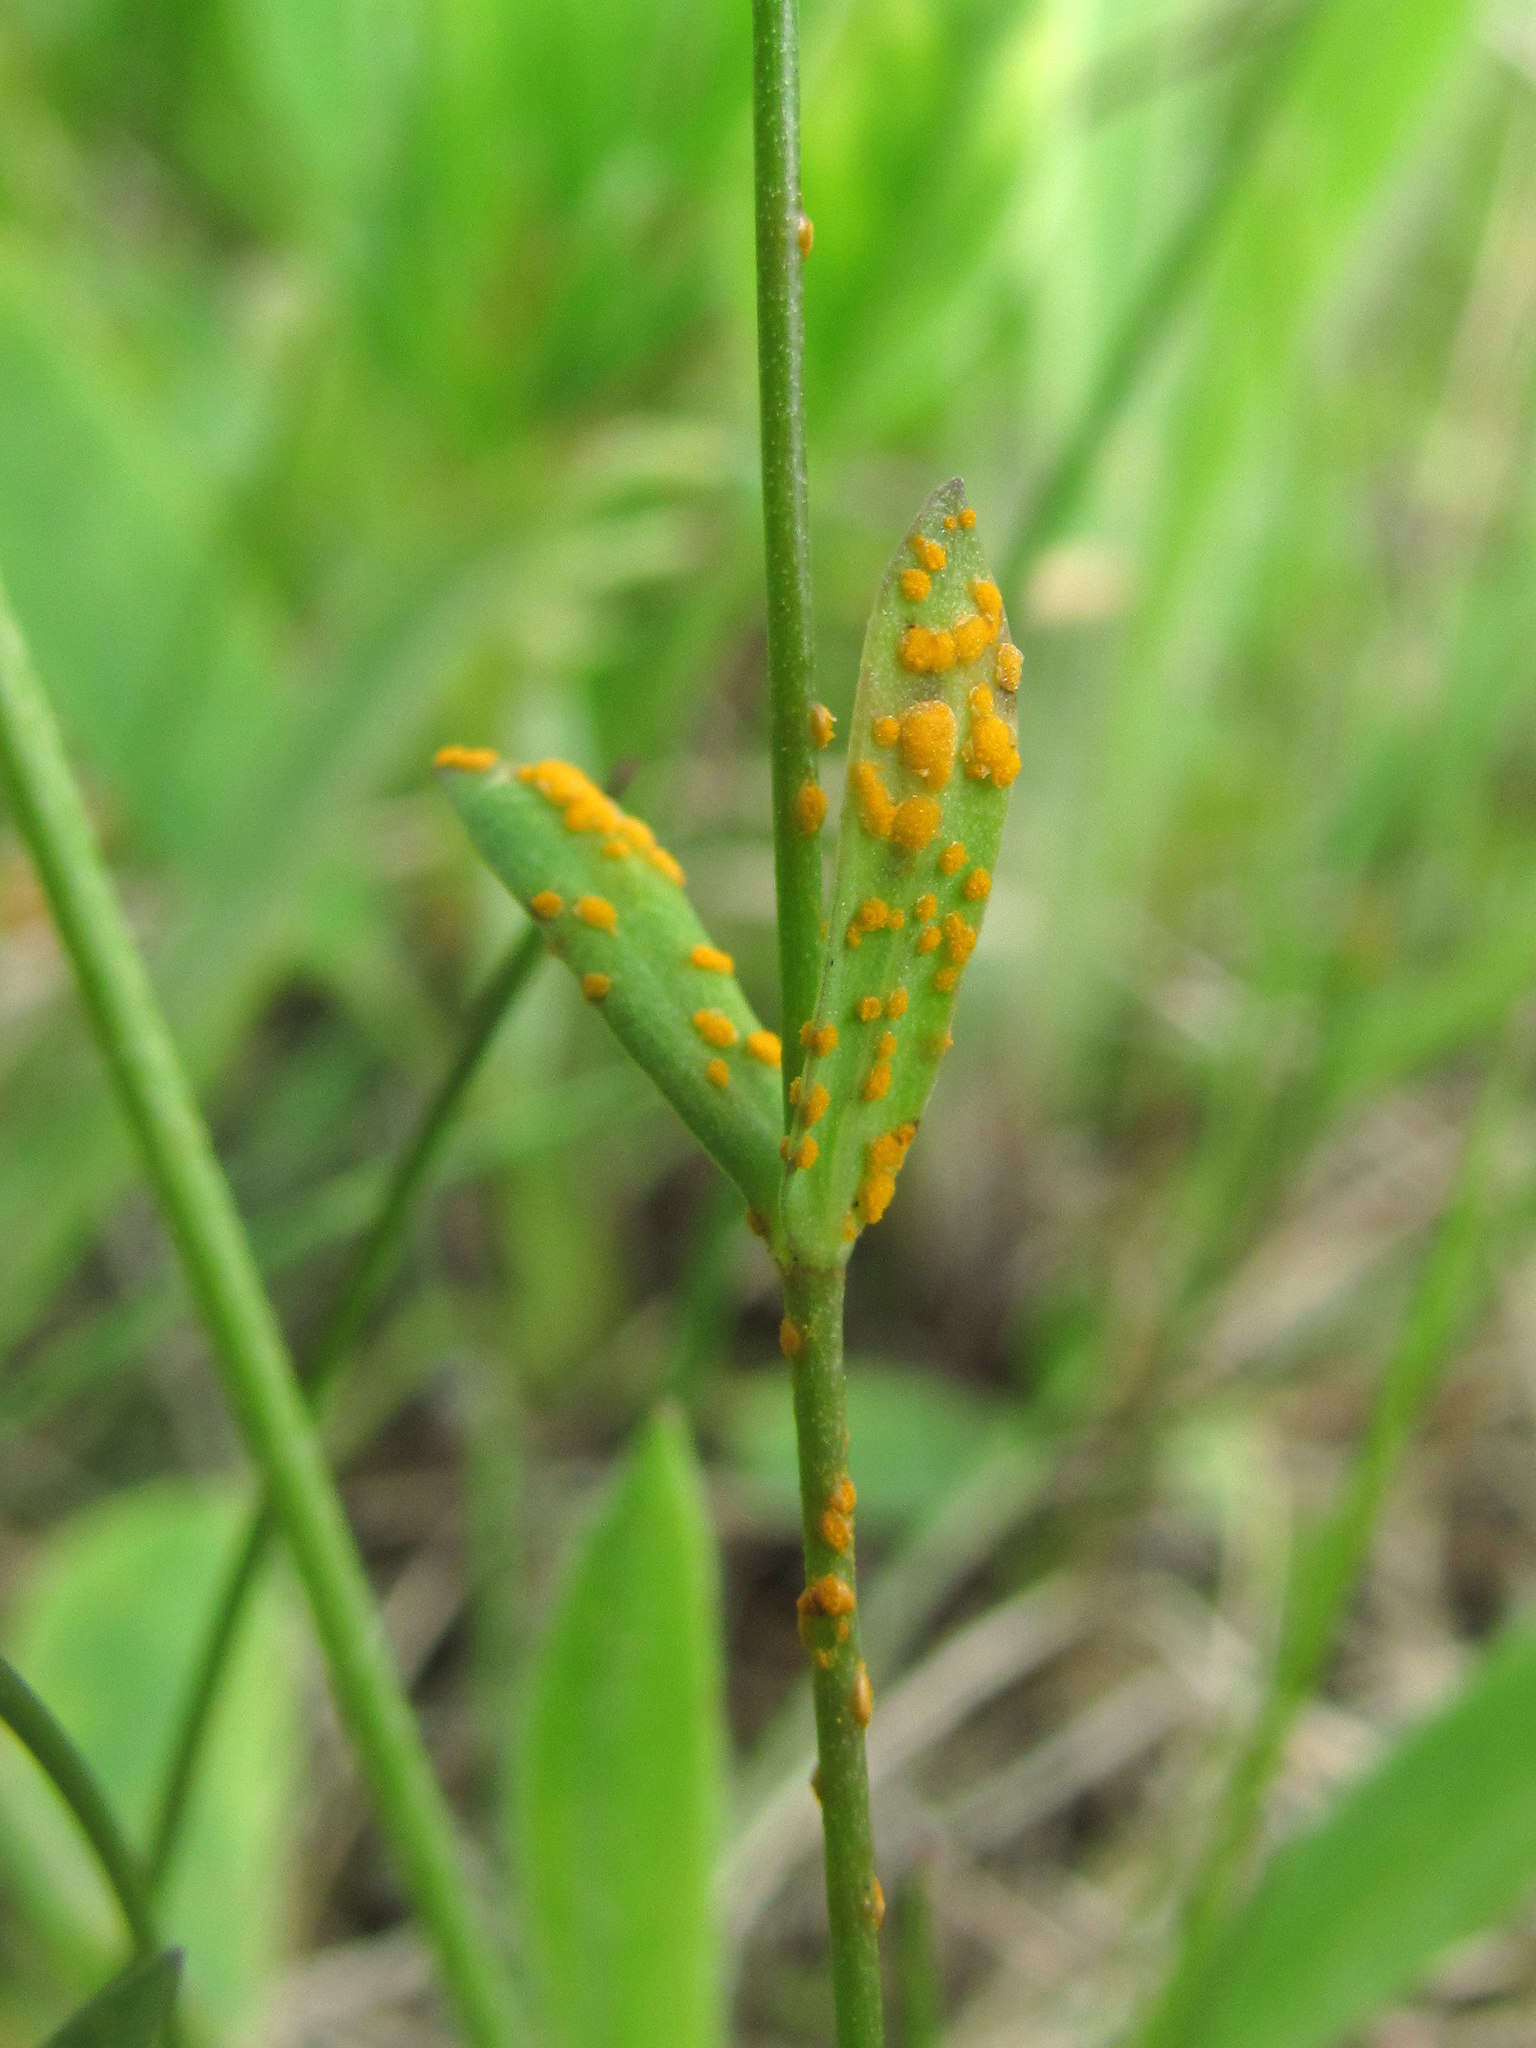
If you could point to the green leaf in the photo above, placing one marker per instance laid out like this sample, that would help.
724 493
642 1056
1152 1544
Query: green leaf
612 906
105 1630
931 754
1435 1844
130 2013
622 1756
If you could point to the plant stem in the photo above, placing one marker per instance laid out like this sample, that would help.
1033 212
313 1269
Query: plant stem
72 1778
370 1270
247 1342
813 1306
786 519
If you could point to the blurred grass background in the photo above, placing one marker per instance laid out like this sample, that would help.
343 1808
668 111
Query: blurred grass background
379 373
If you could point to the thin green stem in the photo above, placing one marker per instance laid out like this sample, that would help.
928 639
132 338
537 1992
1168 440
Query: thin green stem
247 1343
370 1271
72 1778
786 518
829 1627
1162 291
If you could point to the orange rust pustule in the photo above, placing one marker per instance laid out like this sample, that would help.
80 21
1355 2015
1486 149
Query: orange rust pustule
885 730
896 1002
916 823
836 1530
915 585
805 235
844 1496
473 760
928 738
929 553
861 1701
598 912
712 960
766 1047
877 807
875 1909
820 1039
817 1101
953 857
977 886
546 904
791 1339
828 1595
823 726
715 1028
810 808
1010 666
595 986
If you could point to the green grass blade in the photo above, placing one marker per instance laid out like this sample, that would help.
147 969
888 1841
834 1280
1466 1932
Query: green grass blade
130 2013
1435 1844
621 1770
932 751
611 904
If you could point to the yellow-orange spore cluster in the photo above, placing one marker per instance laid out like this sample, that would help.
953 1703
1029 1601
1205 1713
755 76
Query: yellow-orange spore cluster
836 1530
817 1102
546 904
598 912
977 886
989 751
877 1082
717 1073
810 808
473 760
929 553
843 1496
896 1002
916 824
595 986
915 585
868 1008
586 808
928 736
823 725
884 1158
876 1906
926 652
861 1701
711 959
818 1038
791 1339
952 859
1010 666
886 730
829 1595
877 807
766 1047
715 1028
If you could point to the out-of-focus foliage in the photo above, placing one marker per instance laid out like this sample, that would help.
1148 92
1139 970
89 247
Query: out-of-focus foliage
379 375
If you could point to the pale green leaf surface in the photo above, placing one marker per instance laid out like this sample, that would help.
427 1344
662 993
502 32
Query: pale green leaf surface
655 997
929 765
1436 1843
621 1770
105 1631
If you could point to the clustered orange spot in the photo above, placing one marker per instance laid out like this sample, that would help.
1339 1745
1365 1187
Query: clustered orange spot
873 914
877 808
805 235
877 1082
823 725
980 700
712 960
929 937
953 856
885 729
990 752
473 760
885 1046
925 651
973 636
916 822
546 904
836 1530
586 808
1010 666
810 807
717 1072
861 1701
977 885
805 1154
791 1338
967 518
928 552
950 522
715 1028
928 740
595 986
827 1595
765 1046
896 1003
598 912
876 1893
883 1160
945 978
915 585
819 1038
794 1089
868 1008
959 938
816 1104
924 907
988 599
843 1497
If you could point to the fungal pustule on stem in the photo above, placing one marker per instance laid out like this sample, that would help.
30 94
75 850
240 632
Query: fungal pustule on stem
933 749
623 924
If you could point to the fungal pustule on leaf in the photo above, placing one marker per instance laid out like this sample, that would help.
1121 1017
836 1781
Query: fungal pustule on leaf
626 929
933 749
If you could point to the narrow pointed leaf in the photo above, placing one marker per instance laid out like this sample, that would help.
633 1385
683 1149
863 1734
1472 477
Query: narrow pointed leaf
130 2013
932 752
612 905
622 1771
